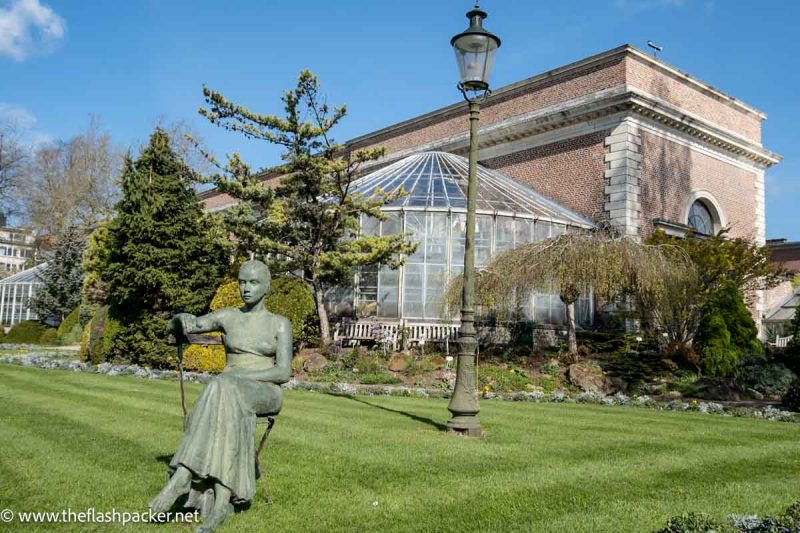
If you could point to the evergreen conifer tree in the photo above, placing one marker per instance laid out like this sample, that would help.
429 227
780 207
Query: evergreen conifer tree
166 256
308 225
62 278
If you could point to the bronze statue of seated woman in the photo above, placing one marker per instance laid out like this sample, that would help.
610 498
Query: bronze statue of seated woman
217 454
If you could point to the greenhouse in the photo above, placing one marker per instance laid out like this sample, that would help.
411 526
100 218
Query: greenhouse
433 211
15 293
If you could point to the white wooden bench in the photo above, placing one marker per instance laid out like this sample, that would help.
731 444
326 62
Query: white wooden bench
782 342
354 333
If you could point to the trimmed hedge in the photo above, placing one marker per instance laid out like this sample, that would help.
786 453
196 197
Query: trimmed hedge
27 332
69 332
50 336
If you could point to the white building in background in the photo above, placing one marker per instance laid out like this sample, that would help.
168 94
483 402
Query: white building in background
15 294
16 249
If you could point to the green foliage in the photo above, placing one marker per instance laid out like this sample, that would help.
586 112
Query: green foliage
85 340
27 332
94 291
498 379
227 295
103 331
769 378
792 352
165 256
204 358
726 333
50 336
62 278
69 332
791 400
310 223
720 262
290 297
380 378
695 523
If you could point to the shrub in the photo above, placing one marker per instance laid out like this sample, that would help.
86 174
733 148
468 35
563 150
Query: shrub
694 523
27 332
103 331
204 358
379 379
69 332
50 336
85 341
727 332
503 380
768 378
791 400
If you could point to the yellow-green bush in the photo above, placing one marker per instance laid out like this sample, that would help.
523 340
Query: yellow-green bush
227 295
204 358
69 332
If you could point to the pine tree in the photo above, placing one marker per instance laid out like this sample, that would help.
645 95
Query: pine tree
166 255
62 278
309 224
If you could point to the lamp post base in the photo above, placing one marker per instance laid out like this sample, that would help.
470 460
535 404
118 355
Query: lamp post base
468 426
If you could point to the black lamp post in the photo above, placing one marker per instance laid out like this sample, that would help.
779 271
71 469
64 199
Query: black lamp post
475 48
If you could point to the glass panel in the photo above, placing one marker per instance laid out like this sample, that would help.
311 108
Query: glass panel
542 230
436 245
558 311
368 290
392 225
558 229
369 225
483 239
415 224
504 234
388 291
413 286
458 235
435 279
523 231
339 301
541 303
700 218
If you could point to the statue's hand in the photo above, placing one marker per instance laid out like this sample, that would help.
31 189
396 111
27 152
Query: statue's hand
181 324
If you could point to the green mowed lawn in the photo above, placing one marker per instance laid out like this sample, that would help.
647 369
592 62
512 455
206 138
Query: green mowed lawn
71 440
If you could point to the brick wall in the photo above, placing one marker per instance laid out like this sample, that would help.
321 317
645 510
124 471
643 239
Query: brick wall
545 93
688 97
569 172
671 171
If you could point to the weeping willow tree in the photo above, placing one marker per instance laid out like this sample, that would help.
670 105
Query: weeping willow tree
571 265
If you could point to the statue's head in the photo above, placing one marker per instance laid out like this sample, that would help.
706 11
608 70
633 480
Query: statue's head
254 280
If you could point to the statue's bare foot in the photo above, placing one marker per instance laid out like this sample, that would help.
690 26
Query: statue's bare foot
217 516
178 485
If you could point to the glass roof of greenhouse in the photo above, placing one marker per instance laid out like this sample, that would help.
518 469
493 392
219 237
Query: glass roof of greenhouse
786 310
439 180
26 276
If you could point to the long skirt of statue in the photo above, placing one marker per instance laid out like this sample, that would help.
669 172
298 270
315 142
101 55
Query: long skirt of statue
218 445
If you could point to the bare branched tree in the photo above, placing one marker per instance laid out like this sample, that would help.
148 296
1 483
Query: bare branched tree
573 264
13 158
72 182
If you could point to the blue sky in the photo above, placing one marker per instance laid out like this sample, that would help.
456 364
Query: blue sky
134 63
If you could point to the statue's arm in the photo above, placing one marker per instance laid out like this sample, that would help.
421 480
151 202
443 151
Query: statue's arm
184 323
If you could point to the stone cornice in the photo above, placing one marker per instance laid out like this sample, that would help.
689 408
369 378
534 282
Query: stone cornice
623 98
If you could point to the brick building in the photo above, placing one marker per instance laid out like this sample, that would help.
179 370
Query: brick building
618 137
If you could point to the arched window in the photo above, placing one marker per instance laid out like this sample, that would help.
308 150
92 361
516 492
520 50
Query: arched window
700 218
